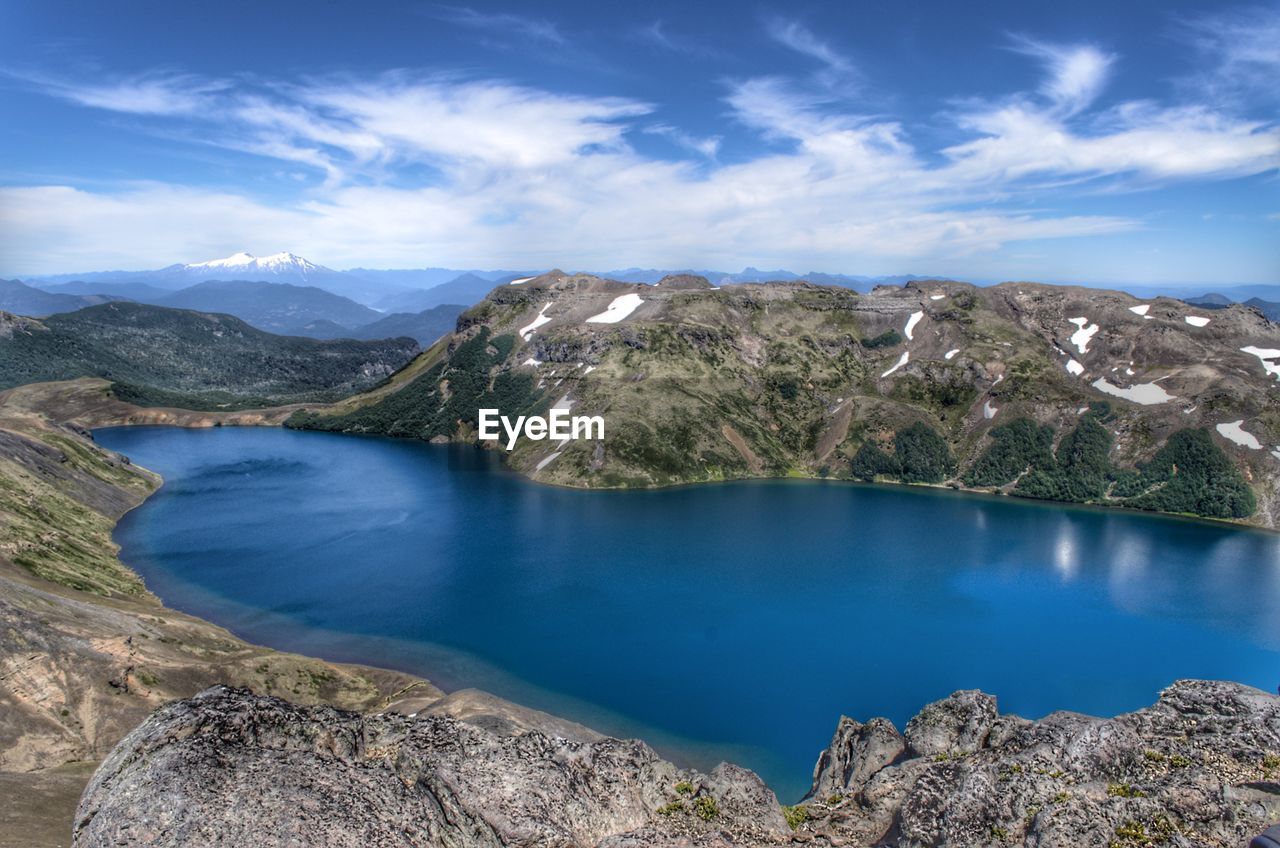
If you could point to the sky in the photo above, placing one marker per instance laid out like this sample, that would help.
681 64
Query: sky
1093 142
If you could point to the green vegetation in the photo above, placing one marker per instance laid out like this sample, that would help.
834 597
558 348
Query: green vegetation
795 815
871 462
445 397
1124 790
1015 447
1136 834
684 787
173 357
920 455
1081 465
1190 474
671 809
1197 477
889 338
47 522
706 808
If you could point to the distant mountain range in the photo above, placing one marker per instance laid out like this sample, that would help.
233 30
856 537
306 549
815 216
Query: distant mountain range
299 306
281 308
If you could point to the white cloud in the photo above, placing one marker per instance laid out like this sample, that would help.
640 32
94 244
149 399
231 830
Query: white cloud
707 146
505 23
1243 48
797 37
1077 73
146 94
435 170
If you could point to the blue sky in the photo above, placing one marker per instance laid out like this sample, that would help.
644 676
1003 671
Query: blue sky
1111 142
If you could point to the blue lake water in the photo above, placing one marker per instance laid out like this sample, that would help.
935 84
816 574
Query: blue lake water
734 621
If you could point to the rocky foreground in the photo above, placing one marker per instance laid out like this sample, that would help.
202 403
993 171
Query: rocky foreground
1199 768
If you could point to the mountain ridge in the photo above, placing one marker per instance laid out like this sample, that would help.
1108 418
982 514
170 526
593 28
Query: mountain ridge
903 383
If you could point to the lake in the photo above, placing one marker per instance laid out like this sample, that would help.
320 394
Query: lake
734 621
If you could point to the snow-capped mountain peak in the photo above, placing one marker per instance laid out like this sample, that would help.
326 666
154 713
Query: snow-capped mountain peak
242 262
236 260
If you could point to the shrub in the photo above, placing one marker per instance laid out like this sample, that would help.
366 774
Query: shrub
706 808
796 815
889 338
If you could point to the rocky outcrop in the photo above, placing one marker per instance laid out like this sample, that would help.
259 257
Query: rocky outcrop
1199 768
228 768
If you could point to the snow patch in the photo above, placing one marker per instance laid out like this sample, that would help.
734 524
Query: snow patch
1074 367
527 330
1196 320
547 461
989 411
520 281
1265 354
619 309
1147 394
911 324
531 361
936 296
1235 432
1140 310
902 360
1081 337
951 354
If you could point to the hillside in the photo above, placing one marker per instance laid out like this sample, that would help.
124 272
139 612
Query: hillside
22 299
86 652
158 356
1043 391
425 326
275 307
467 289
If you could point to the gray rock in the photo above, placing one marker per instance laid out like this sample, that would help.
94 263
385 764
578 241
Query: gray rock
230 768
856 753
1199 768
956 725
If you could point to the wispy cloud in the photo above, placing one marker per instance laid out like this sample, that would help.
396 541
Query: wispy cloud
430 169
155 93
1076 73
1242 47
836 68
504 23
707 146
658 34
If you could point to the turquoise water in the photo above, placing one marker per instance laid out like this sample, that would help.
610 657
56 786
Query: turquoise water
734 621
